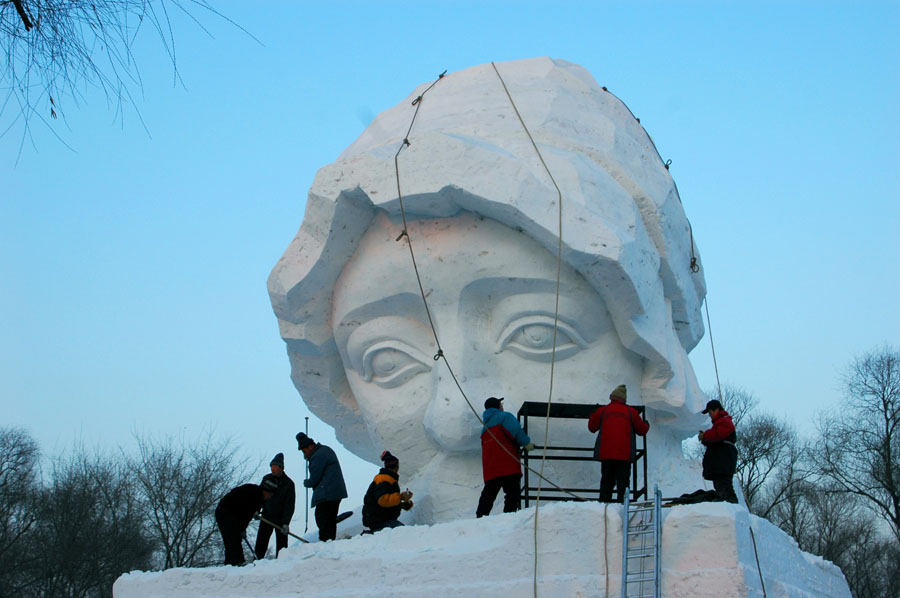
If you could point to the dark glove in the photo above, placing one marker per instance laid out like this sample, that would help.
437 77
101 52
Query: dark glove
285 529
406 505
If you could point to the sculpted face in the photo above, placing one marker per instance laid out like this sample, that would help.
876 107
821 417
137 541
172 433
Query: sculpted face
491 292
483 218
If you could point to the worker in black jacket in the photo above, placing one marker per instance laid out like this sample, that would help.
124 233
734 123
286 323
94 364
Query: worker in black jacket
234 512
279 510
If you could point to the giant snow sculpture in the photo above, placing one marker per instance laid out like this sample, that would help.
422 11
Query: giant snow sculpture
482 215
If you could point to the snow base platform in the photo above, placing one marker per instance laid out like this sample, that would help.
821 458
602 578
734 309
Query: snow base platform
706 551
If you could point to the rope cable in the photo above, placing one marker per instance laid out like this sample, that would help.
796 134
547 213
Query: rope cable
440 353
756 554
719 385
695 266
605 550
712 346
537 502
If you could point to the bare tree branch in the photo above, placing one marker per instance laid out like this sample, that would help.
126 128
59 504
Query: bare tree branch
181 484
859 446
53 50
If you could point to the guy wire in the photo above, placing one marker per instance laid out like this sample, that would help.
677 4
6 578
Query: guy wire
537 502
440 353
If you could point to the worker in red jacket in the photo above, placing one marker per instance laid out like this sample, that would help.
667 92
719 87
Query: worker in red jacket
615 446
720 458
501 437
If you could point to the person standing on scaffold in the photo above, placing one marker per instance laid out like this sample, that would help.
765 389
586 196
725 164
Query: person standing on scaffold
615 448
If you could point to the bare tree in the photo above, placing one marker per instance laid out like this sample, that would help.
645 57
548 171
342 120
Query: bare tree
794 515
840 528
19 485
181 484
860 445
845 532
770 462
54 49
88 530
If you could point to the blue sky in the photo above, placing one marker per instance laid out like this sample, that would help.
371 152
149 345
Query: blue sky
133 266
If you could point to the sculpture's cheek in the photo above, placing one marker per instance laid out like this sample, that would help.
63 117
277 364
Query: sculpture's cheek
394 415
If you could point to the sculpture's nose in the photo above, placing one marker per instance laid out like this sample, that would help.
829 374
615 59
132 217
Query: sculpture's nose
449 420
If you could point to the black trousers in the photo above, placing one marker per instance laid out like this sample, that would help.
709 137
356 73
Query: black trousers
262 540
724 487
232 535
326 519
511 494
614 473
391 523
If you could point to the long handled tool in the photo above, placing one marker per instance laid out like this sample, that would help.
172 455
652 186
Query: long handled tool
306 510
341 517
252 552
278 527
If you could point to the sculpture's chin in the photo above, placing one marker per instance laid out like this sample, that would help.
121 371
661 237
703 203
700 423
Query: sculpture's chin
446 489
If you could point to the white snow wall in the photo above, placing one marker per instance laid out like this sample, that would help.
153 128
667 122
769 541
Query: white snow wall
707 551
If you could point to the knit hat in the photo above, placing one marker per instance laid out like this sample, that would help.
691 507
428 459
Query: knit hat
304 441
619 394
493 403
278 460
389 459
269 485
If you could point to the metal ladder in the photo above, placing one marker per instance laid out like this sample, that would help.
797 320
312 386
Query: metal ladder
640 547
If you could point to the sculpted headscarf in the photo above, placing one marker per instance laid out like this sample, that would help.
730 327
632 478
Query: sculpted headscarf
624 226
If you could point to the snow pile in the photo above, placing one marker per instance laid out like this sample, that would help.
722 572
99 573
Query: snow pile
706 551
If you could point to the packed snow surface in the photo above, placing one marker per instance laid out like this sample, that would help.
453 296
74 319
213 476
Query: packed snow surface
707 551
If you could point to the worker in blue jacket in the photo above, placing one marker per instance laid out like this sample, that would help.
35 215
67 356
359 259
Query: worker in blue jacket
327 482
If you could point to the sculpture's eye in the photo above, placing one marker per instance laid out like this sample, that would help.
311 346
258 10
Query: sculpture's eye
532 337
391 363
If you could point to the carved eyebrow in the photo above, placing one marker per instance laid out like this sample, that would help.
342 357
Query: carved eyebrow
498 287
408 305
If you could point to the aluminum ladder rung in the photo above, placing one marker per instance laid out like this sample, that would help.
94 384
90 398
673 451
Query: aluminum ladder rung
641 520
642 533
